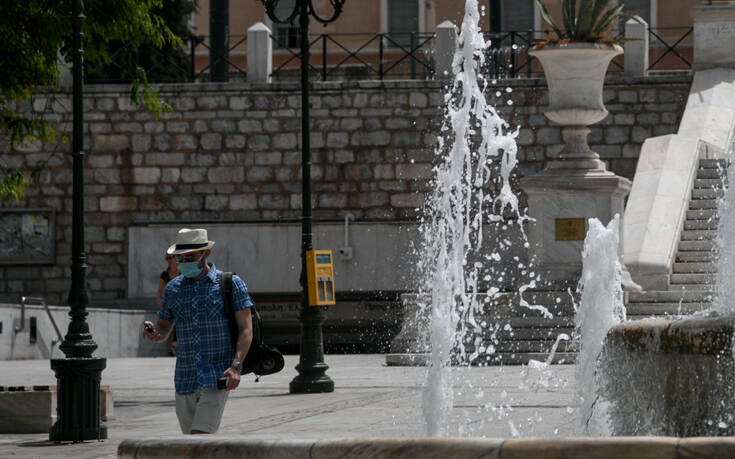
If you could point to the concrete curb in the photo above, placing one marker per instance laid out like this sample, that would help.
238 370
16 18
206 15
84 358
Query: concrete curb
429 448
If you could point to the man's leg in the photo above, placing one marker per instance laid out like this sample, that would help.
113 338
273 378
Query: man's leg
209 409
185 408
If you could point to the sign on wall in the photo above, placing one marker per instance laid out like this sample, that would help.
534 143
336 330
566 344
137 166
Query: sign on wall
27 236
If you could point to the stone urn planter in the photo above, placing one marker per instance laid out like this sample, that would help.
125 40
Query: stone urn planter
575 74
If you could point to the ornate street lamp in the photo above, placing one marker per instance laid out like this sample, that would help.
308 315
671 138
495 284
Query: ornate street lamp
79 374
311 367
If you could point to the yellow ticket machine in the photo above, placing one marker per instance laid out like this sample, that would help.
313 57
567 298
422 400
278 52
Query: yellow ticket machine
320 277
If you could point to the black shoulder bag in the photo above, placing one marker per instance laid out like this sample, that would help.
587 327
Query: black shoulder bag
261 359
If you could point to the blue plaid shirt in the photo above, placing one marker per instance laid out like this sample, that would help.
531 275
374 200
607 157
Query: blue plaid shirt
204 348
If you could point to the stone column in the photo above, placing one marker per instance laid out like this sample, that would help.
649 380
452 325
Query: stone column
636 50
714 35
446 45
260 54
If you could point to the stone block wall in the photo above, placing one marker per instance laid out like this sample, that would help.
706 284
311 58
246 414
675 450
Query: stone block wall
232 152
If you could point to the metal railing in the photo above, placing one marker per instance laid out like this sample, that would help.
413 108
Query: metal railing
370 56
376 56
671 49
40 302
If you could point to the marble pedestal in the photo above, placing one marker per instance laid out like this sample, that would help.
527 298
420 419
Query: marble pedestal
560 201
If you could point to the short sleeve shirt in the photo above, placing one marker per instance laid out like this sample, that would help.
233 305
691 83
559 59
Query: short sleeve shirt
196 308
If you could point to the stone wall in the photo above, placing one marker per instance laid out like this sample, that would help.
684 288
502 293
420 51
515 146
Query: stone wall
231 152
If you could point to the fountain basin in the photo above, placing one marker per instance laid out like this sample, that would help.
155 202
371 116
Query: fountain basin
670 377
547 448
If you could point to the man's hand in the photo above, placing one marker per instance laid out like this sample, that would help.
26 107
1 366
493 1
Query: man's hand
233 378
151 333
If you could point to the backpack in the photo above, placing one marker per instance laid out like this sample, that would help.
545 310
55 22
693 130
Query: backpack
261 359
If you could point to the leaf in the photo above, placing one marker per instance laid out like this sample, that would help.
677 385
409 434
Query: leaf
599 7
570 15
610 16
547 17
585 20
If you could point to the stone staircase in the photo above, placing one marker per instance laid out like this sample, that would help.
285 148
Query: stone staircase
694 272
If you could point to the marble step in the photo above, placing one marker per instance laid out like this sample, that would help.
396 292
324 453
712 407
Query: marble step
698 235
498 358
708 183
696 287
710 224
709 173
550 297
697 246
692 267
639 310
693 278
697 204
522 358
528 322
702 214
712 164
541 346
707 193
671 296
532 333
697 257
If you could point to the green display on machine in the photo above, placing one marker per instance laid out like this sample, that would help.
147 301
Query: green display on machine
323 258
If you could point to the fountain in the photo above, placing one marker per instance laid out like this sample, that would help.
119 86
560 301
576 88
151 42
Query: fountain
677 377
470 266
472 207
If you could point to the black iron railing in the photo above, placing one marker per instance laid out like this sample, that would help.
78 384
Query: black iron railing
507 56
656 42
369 56
375 56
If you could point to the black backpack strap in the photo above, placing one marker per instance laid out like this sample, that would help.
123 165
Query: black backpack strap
225 288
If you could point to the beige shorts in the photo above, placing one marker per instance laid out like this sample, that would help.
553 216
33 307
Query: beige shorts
201 410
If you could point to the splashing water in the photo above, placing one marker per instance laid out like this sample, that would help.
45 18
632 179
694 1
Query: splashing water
723 303
472 190
601 307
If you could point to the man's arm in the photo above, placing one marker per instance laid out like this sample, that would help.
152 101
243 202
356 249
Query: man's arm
244 320
160 331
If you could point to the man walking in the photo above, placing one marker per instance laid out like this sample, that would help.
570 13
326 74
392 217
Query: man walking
193 303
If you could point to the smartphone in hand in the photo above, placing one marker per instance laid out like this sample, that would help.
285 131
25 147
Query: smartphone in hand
222 382
148 327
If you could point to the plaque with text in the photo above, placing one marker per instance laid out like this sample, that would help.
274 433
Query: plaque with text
570 229
27 236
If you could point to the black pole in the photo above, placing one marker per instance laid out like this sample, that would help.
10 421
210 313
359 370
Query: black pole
79 374
219 36
312 376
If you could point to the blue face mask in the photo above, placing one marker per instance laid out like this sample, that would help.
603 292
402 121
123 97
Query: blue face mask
191 269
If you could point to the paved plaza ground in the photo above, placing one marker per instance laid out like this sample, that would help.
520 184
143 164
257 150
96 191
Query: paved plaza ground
370 400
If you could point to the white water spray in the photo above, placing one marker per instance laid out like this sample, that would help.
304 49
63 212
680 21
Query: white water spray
724 303
601 307
475 142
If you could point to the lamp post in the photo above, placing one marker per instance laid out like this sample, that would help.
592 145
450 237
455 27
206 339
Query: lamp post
312 376
79 374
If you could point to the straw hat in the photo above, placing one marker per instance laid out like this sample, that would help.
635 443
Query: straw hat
190 240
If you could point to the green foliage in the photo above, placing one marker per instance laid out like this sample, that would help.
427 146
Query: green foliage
142 93
36 33
167 63
590 22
